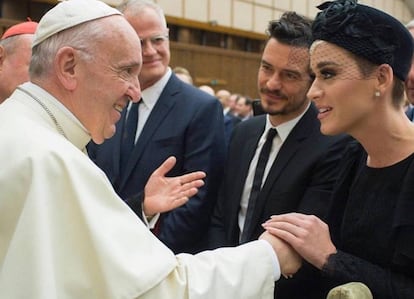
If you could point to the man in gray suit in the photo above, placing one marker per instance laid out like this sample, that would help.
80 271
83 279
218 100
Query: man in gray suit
301 168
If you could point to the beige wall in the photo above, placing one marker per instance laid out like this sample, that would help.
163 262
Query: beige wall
253 15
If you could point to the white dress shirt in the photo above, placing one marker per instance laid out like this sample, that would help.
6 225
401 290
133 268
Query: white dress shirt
283 132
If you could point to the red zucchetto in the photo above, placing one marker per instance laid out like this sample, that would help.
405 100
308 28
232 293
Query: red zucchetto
28 27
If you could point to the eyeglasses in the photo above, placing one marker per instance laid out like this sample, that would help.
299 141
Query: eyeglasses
155 40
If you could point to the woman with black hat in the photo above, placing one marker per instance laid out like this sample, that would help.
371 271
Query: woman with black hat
361 57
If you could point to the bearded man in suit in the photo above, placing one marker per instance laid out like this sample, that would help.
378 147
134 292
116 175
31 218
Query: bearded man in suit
301 167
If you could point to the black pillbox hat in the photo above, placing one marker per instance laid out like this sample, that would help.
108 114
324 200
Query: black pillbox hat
366 32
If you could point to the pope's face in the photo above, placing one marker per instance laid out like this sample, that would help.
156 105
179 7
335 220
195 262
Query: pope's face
110 81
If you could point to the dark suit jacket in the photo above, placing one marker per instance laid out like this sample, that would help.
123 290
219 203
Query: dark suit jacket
300 179
230 121
186 123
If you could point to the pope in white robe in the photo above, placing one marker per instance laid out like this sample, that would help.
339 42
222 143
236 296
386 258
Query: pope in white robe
64 232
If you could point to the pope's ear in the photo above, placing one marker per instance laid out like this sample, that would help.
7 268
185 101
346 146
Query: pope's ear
65 63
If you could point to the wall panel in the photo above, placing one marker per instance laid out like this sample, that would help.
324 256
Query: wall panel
262 16
172 7
220 11
232 70
196 10
300 6
245 12
243 15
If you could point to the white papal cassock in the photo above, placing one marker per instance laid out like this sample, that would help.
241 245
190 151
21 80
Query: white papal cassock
64 233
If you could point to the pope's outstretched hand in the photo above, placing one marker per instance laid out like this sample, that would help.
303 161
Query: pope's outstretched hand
163 194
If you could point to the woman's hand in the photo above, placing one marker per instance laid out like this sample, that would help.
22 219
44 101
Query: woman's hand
307 234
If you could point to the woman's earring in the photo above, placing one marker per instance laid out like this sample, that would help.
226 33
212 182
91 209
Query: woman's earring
377 93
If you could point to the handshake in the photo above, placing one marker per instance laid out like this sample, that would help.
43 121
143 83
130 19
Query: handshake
289 260
296 236
293 236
